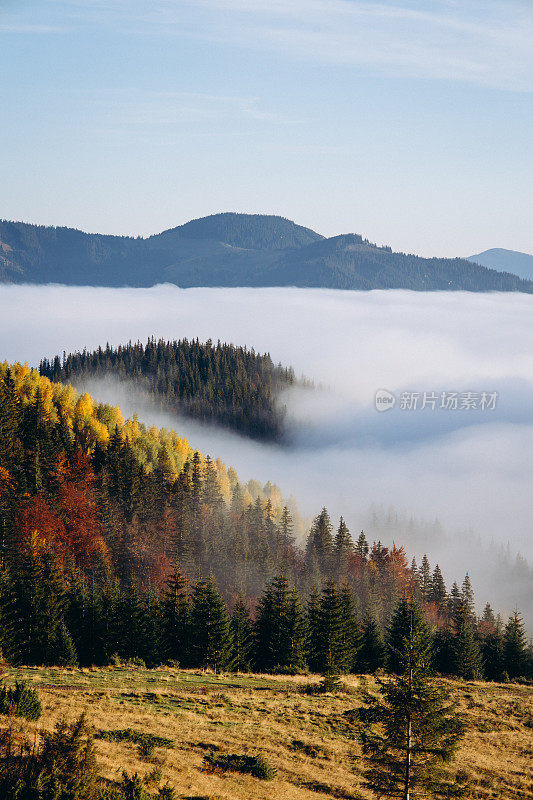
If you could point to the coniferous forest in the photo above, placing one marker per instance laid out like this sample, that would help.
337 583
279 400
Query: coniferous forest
121 541
221 383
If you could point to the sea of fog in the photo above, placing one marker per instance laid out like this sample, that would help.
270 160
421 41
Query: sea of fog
468 466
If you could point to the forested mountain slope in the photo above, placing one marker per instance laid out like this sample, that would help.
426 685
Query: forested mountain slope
232 250
232 386
120 539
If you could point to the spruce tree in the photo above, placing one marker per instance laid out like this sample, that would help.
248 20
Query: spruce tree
515 654
412 730
176 619
210 627
326 635
437 592
320 543
407 614
466 655
242 637
371 654
424 579
280 630
361 546
342 550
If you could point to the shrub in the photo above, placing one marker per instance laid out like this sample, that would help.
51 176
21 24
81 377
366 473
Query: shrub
62 768
144 740
21 702
257 766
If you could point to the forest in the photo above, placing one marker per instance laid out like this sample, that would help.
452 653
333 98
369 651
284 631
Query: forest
120 541
233 250
232 386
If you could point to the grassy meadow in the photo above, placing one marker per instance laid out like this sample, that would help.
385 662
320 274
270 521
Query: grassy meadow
308 739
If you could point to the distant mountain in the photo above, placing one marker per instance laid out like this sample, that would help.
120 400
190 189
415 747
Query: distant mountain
520 264
232 250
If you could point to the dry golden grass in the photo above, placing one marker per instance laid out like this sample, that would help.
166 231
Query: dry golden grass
308 738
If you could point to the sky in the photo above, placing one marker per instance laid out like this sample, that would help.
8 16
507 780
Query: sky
470 469
407 121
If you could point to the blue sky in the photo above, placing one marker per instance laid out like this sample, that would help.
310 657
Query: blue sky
409 121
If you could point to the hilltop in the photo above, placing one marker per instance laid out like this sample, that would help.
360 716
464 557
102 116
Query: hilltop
232 250
520 264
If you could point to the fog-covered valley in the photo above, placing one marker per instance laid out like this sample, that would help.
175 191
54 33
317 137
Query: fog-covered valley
471 469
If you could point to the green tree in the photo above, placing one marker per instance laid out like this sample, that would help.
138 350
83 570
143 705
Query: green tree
210 627
407 614
466 655
412 729
176 620
280 630
343 548
515 655
242 637
371 654
320 543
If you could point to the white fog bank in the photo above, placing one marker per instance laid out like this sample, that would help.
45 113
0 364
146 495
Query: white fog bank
470 468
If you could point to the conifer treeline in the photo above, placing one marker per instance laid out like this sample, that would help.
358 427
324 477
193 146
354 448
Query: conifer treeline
220 383
108 527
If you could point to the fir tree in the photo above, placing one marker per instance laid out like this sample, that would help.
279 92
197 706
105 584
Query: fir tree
280 631
437 592
407 615
466 655
371 654
412 729
320 542
342 550
424 579
327 654
361 546
242 637
176 619
515 653
210 628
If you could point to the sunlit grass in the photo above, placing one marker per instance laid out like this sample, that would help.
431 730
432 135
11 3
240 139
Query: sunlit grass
308 739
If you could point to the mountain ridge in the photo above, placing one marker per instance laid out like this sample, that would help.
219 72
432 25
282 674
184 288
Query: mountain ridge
232 249
499 258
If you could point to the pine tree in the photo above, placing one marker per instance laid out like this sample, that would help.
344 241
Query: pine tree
515 646
210 627
411 730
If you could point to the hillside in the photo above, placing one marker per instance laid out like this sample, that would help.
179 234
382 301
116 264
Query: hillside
309 740
221 383
520 264
232 250
120 539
